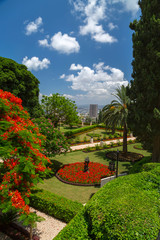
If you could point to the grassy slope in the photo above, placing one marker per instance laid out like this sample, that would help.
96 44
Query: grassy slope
82 194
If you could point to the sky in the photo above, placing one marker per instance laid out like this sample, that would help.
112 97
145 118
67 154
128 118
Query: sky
81 49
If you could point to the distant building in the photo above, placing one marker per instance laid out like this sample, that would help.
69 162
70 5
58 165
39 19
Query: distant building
93 110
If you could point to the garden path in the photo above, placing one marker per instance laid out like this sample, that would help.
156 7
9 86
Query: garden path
77 147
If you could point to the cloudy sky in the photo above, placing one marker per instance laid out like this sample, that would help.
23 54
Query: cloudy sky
79 48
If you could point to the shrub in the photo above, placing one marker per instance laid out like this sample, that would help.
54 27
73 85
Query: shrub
20 148
77 140
54 205
105 136
116 135
126 208
85 139
55 141
138 166
79 130
112 144
97 147
110 136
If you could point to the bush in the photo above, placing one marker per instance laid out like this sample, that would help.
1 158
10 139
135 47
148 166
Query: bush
110 136
55 141
116 135
54 205
79 130
138 166
126 208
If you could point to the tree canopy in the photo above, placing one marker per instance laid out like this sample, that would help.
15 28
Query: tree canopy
116 113
15 78
23 161
59 109
145 89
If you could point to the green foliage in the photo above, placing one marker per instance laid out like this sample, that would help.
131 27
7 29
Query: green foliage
93 135
138 166
60 109
15 78
144 92
97 147
116 113
126 208
54 205
55 141
79 130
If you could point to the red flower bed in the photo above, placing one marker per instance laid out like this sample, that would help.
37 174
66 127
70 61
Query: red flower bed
74 173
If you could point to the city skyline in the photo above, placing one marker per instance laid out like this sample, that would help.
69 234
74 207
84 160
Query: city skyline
81 49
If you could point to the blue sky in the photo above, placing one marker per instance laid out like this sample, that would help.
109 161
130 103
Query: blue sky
79 48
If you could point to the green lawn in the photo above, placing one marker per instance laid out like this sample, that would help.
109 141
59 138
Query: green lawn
84 136
82 194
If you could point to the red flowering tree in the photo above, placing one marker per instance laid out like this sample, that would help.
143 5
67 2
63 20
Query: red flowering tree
23 161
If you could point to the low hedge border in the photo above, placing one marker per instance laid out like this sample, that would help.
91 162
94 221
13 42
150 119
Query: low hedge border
79 130
54 205
108 146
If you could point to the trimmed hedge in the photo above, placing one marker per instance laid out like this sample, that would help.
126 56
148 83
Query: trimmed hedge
125 208
79 130
54 205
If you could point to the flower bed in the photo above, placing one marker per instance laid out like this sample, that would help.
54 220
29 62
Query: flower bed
124 157
74 173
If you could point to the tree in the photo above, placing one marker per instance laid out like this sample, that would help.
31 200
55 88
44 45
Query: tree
145 88
55 141
116 113
15 78
100 116
59 109
23 161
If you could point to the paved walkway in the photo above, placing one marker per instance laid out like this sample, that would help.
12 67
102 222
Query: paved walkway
77 147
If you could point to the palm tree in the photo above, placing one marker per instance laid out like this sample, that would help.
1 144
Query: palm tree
115 113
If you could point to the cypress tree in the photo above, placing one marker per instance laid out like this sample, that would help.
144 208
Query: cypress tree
144 91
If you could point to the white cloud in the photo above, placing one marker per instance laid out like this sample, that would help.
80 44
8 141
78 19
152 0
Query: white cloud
61 43
128 5
74 67
94 12
68 96
35 64
43 43
112 26
62 76
97 83
33 27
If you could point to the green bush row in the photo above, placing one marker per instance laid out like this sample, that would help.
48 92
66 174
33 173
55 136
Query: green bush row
125 208
54 205
79 130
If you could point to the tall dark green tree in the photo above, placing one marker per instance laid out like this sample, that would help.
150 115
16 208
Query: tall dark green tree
116 113
60 109
15 78
145 88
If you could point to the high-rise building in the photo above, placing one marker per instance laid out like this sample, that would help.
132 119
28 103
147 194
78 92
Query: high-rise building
93 110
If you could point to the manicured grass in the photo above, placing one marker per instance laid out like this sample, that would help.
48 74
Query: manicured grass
84 137
79 193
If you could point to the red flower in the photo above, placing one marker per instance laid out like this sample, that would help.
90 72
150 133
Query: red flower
75 173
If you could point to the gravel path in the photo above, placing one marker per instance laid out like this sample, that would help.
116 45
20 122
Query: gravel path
48 228
83 146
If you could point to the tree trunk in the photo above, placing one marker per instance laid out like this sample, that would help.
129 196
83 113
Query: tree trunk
125 138
113 130
156 149
31 232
